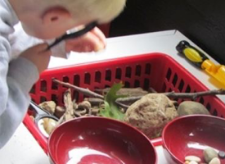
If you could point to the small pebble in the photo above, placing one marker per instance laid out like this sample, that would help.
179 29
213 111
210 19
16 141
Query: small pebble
192 158
215 161
209 154
221 154
193 162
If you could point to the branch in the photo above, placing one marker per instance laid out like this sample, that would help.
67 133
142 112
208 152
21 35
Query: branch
86 92
96 101
128 99
177 95
196 94
122 101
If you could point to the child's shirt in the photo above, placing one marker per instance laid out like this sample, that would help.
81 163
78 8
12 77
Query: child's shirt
16 78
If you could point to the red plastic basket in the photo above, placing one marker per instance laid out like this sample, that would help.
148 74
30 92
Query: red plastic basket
155 70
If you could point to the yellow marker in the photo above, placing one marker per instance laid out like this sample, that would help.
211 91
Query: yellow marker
202 61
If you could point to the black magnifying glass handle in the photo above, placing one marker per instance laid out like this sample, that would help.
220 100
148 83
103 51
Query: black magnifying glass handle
76 34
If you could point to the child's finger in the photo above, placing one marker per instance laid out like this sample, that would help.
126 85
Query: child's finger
99 34
94 42
87 43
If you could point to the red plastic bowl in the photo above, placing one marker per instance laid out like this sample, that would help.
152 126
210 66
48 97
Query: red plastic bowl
190 135
99 140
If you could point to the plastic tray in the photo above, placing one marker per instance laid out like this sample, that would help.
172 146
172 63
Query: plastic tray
155 70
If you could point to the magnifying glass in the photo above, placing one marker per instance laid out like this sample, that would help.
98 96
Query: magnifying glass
40 115
73 35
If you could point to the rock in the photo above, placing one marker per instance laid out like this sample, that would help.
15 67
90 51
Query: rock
215 161
193 162
192 158
151 113
209 154
221 154
191 107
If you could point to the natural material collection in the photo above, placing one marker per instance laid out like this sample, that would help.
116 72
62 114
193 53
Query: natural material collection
147 110
211 156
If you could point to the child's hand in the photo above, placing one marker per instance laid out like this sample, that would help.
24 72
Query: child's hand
92 41
38 56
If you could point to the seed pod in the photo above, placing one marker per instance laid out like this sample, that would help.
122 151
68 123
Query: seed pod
59 111
48 106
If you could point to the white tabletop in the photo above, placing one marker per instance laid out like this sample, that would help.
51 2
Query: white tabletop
164 42
23 149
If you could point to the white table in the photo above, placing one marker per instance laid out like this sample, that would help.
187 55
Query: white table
23 149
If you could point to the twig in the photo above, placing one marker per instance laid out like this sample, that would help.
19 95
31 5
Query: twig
152 90
128 99
192 96
196 94
96 101
122 101
122 105
86 92
133 98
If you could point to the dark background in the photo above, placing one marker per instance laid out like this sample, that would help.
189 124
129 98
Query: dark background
203 21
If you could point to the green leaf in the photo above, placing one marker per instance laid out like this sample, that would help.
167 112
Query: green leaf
111 109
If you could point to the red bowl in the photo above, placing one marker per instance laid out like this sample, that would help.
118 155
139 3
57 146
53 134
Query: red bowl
99 140
190 135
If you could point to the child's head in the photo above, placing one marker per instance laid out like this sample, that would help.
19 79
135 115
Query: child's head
48 19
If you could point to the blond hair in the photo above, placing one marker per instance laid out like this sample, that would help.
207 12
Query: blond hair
102 11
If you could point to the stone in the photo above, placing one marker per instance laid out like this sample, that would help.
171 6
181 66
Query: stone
215 161
221 154
192 158
191 107
209 154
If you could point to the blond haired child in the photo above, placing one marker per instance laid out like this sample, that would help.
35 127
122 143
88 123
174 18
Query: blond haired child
47 20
